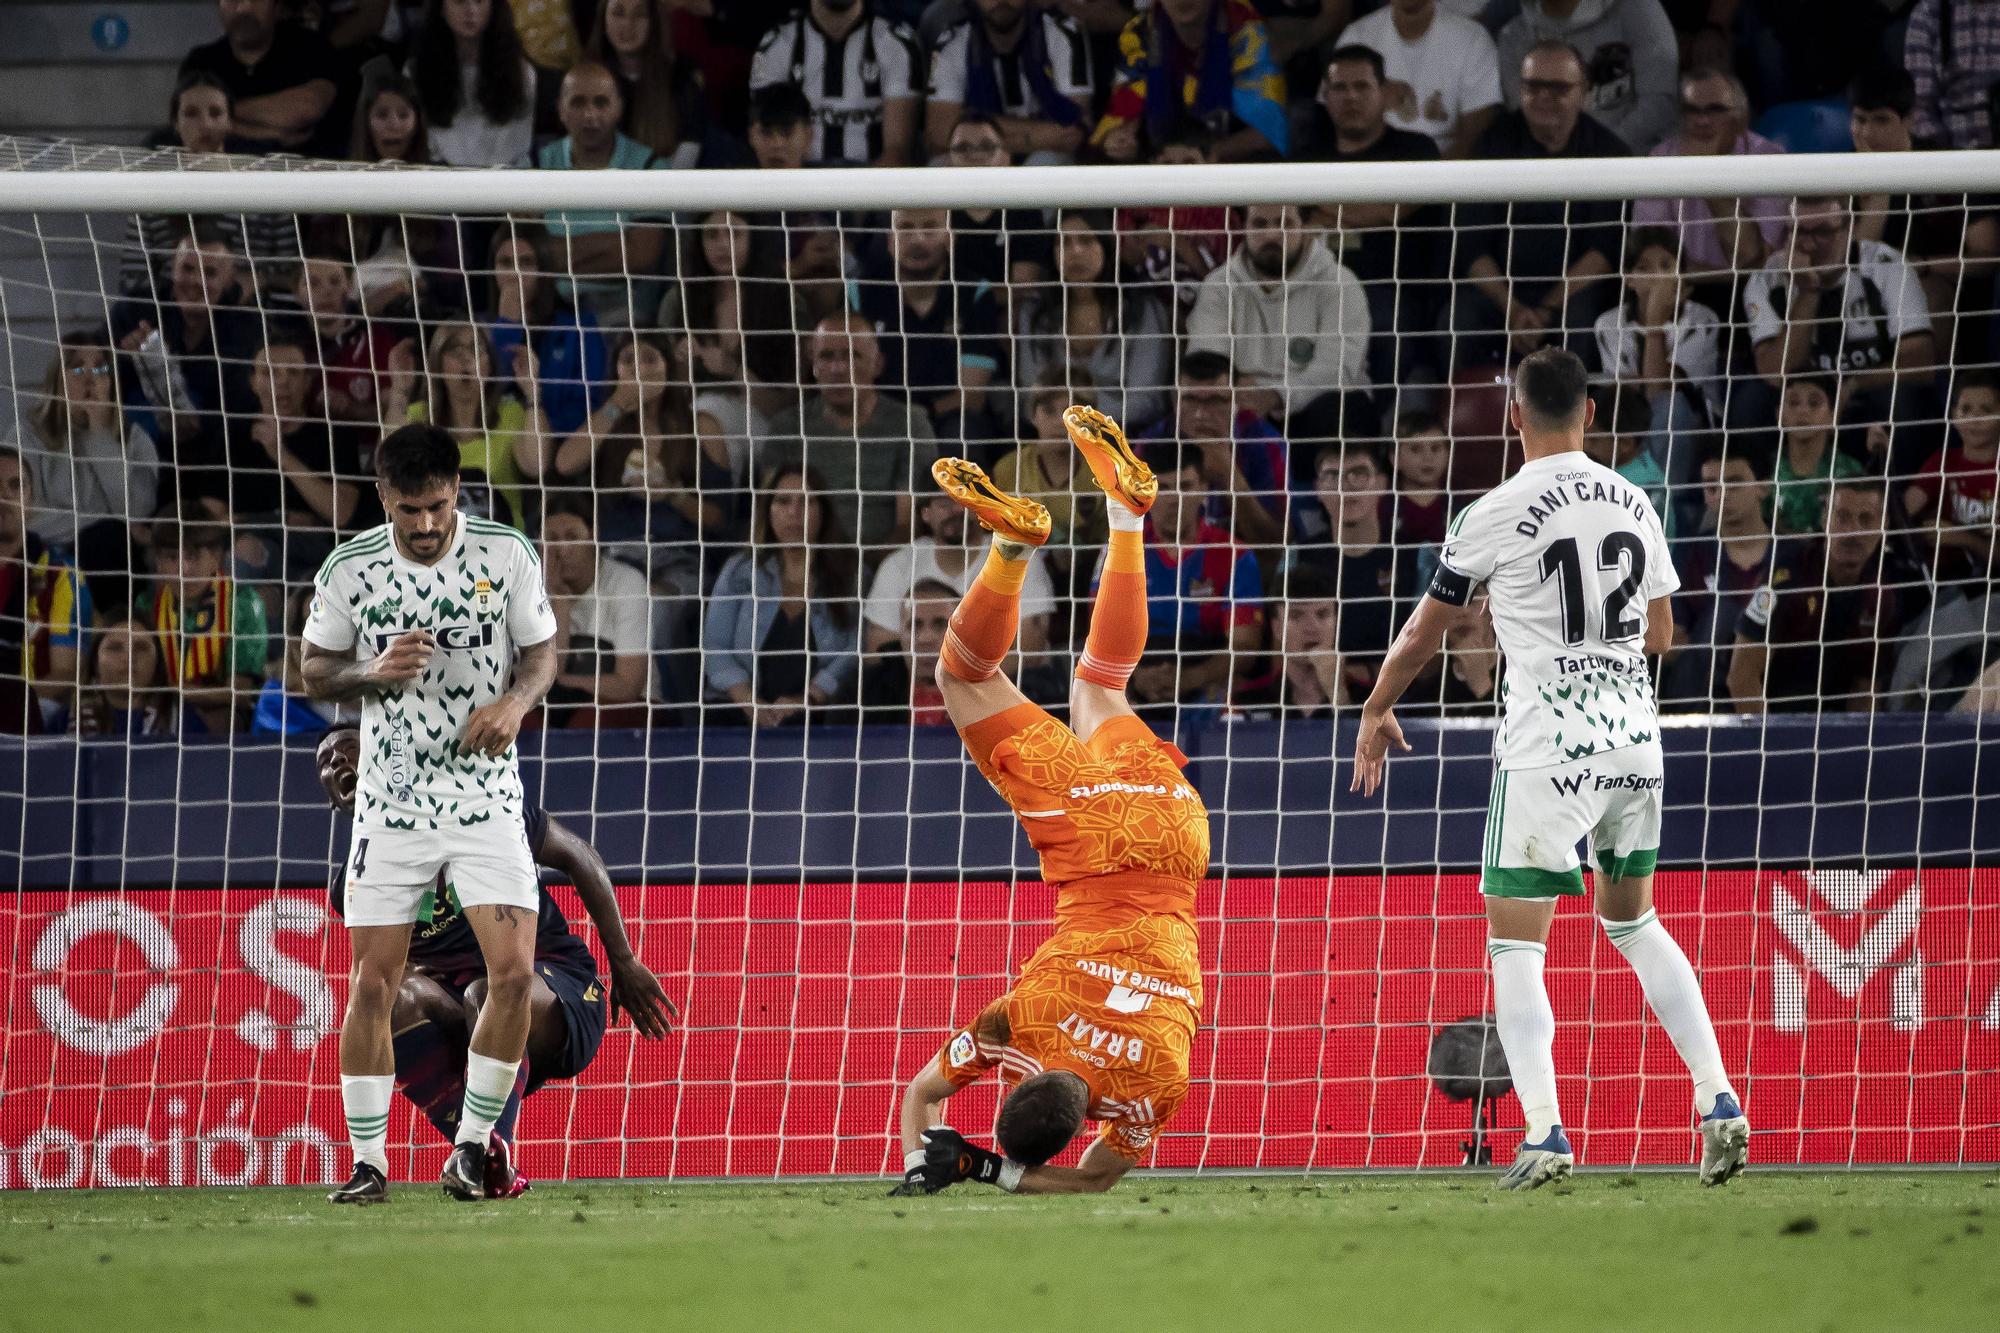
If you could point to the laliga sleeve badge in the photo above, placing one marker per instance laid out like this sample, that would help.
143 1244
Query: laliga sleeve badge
962 1050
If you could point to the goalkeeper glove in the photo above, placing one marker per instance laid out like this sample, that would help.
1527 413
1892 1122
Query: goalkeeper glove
949 1157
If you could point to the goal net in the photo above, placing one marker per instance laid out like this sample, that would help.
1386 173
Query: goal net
712 400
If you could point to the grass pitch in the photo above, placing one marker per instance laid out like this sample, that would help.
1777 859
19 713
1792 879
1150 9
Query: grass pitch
1772 1250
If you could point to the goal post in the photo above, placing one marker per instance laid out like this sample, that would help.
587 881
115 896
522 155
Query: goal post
202 353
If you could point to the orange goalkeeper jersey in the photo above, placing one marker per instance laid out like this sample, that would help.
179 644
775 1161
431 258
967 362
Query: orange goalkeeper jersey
1114 994
1114 1007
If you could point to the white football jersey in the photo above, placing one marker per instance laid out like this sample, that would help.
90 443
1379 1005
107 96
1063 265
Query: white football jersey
483 600
1570 554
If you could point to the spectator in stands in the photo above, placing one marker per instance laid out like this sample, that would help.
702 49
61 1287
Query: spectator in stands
1207 62
658 488
1821 635
572 364
477 84
1005 249
1954 492
1044 468
123 693
201 115
941 554
1619 437
198 117
191 348
285 477
862 73
1538 270
1468 685
780 633
1391 248
44 613
941 341
352 353
901 688
1658 340
734 319
277 75
91 473
1441 71
782 127
504 437
210 629
1204 596
1089 320
1175 248
1374 573
666 106
1308 679
1423 455
1830 303
604 625
1025 65
1722 235
613 255
389 122
871 451
1290 317
1952 246
1721 568
283 707
1241 456
1809 457
1952 50
1630 59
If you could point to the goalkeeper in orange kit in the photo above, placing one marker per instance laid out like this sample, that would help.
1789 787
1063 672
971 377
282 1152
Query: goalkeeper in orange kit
1100 1024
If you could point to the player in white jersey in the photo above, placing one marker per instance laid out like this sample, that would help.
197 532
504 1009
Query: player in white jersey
426 620
1578 580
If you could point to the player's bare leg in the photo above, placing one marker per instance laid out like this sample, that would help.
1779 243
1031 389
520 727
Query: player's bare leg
548 1030
368 1057
507 942
1516 945
986 621
1118 617
1626 908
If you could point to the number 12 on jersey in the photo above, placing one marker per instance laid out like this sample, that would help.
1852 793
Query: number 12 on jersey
1618 550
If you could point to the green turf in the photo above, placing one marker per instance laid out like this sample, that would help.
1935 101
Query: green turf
1773 1250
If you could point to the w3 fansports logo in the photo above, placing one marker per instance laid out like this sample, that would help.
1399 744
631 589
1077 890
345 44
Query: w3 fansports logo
1879 915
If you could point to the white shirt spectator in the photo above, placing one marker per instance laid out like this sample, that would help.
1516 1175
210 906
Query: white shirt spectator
1694 346
473 139
1305 334
1448 73
1881 302
618 613
847 81
905 567
1068 60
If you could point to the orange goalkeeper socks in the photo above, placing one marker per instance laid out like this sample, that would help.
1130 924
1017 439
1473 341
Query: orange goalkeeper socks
1118 618
983 628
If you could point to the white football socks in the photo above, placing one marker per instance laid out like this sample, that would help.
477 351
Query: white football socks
488 1085
1120 519
1676 999
1527 1030
365 1099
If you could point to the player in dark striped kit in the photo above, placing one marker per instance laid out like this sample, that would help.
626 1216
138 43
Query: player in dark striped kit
444 984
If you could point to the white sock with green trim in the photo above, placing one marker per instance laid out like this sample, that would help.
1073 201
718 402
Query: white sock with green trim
488 1084
1675 996
365 1099
1527 1030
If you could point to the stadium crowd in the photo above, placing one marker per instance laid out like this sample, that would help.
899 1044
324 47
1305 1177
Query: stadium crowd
718 429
